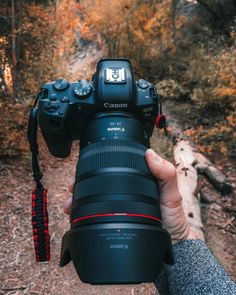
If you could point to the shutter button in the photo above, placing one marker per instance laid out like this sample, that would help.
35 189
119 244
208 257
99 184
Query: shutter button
143 84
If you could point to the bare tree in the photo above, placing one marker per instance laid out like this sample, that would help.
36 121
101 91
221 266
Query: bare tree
13 51
3 85
173 10
16 46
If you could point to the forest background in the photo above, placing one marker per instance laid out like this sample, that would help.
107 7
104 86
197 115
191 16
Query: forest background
188 44
186 48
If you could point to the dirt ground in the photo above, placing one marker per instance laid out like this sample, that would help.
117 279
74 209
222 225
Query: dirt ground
219 221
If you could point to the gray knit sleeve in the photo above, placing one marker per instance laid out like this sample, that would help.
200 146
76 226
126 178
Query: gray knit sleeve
195 272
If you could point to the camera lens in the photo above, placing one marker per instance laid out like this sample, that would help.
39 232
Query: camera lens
112 176
116 234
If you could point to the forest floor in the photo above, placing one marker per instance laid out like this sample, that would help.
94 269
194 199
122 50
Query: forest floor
19 274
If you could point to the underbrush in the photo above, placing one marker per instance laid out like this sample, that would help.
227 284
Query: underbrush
13 126
216 138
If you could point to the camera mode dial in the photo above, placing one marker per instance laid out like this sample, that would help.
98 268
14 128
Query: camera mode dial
61 84
83 89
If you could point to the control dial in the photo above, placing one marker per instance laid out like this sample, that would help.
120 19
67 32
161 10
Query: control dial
61 84
83 89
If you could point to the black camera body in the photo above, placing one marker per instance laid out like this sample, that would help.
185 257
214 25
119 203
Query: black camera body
65 108
116 235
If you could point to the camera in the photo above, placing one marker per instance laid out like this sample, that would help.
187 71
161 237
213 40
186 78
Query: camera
116 234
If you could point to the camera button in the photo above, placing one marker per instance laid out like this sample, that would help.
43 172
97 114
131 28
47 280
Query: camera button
43 94
53 98
143 84
64 99
52 107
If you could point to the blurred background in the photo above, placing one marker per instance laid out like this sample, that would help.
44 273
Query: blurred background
186 48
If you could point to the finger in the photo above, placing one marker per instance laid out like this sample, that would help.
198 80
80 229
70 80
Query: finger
67 205
70 188
165 174
161 169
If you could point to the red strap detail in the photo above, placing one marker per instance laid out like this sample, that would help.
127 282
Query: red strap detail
40 225
160 121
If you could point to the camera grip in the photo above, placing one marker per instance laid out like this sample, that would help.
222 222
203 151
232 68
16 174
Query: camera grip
58 145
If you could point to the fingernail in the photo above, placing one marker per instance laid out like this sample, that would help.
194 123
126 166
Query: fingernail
154 156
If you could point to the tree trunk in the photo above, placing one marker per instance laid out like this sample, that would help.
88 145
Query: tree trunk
15 48
3 85
18 49
173 10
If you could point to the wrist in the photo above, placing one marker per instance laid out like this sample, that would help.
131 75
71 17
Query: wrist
175 222
192 235
186 234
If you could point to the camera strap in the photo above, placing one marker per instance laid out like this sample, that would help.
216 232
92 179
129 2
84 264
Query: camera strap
160 119
39 194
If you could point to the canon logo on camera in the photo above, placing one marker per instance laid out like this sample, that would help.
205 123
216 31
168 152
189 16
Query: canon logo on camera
115 105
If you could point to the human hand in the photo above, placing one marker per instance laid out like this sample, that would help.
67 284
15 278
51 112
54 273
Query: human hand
173 218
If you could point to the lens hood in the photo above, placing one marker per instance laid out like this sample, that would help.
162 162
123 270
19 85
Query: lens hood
117 253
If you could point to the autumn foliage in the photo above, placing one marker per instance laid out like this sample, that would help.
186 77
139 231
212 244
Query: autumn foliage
36 38
193 48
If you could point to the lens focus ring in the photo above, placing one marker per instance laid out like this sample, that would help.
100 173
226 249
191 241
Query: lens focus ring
112 153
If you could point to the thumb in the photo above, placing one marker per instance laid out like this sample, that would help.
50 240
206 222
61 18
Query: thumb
67 205
165 174
161 169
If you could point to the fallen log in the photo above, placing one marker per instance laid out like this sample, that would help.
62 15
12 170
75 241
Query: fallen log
213 175
205 197
202 164
187 178
190 163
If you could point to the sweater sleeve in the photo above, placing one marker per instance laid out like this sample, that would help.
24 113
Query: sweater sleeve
195 272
